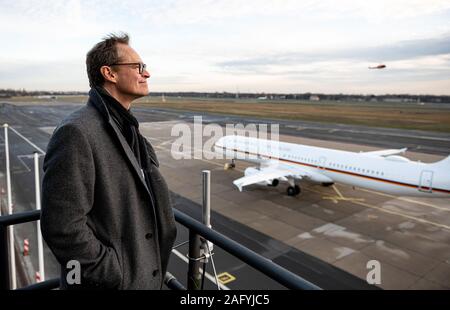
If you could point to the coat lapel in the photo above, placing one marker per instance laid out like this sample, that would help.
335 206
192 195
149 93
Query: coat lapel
129 153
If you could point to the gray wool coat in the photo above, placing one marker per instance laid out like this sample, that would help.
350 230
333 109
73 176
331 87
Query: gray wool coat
97 209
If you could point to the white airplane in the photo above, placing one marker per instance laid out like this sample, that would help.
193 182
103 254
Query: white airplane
383 170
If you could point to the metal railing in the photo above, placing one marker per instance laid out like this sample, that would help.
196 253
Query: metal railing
5 274
196 229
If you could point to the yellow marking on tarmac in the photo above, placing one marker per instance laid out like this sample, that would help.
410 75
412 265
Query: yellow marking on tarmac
337 191
225 278
339 197
417 219
406 199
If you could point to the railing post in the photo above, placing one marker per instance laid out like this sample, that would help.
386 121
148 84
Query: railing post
12 253
38 223
206 210
194 276
5 281
206 198
197 248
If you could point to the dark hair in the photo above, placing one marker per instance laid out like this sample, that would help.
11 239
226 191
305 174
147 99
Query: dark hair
103 53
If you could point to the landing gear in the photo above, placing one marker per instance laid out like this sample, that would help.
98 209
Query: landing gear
231 165
293 190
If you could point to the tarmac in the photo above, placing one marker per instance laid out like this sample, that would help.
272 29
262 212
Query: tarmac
326 234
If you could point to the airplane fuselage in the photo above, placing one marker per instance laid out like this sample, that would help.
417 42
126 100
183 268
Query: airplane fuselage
391 174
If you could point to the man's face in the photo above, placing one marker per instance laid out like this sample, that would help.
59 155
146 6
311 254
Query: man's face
130 82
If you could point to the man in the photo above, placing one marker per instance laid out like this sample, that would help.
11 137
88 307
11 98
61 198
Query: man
105 206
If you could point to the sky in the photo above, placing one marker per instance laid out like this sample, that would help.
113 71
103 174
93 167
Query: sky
280 46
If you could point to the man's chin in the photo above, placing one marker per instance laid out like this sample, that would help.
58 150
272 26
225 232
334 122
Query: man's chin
142 93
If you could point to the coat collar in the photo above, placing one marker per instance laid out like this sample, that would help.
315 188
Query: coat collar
97 101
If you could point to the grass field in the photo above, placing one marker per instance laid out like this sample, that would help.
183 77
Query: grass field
391 115
405 116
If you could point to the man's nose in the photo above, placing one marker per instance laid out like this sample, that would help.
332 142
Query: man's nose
146 74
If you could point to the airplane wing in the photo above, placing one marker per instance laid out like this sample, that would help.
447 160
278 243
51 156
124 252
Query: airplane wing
385 152
264 175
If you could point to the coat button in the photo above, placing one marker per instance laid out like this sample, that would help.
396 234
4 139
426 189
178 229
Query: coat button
148 236
155 272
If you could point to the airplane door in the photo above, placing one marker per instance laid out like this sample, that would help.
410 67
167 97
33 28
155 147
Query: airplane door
426 181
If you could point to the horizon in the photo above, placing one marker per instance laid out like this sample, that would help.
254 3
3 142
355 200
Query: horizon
227 92
237 47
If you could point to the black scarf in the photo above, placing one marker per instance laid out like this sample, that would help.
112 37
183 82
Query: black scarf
129 126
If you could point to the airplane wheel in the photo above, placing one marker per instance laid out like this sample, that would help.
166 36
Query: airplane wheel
297 189
291 191
228 166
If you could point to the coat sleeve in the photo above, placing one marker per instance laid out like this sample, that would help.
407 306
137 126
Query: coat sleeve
67 198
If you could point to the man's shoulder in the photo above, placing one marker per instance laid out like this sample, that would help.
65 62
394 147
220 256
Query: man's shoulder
85 118
85 123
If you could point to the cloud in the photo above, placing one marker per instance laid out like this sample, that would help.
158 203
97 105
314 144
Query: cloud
210 11
45 75
274 43
69 19
393 52
404 49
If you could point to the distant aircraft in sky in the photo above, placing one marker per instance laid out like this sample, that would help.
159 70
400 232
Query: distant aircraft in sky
383 170
378 67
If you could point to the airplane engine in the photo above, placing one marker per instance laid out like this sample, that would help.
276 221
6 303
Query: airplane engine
319 178
275 182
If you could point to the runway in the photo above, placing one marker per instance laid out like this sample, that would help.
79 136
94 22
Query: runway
327 241
415 140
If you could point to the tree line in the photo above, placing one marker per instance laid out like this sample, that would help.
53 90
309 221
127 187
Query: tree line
8 93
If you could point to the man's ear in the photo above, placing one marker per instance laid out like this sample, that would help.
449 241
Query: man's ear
108 74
